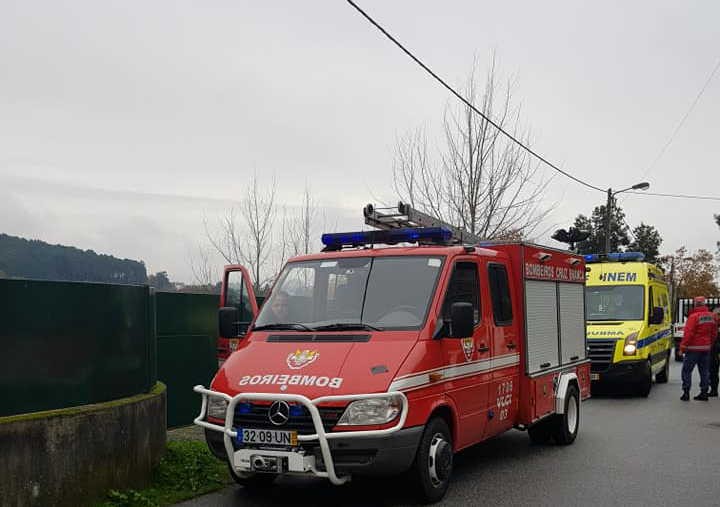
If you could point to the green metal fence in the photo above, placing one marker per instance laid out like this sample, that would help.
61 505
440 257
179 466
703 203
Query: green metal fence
187 349
67 343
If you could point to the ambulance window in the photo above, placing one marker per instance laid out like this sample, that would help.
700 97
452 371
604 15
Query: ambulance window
463 288
500 294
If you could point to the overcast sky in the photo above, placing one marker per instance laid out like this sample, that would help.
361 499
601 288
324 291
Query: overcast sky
124 123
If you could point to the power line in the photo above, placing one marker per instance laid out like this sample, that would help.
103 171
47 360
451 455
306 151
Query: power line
682 121
680 196
466 102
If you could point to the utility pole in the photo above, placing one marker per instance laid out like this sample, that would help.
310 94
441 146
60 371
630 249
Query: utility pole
608 220
608 209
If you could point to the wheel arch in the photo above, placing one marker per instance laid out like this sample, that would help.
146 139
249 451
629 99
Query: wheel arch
564 382
445 410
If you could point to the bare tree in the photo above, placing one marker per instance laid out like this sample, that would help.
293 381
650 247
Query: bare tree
302 233
479 179
259 216
204 274
245 235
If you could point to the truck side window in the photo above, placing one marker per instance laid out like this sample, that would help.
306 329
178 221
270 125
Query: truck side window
237 295
500 294
463 288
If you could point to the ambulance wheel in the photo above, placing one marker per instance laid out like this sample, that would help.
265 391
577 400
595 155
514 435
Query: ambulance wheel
434 461
662 376
645 385
541 432
252 481
565 426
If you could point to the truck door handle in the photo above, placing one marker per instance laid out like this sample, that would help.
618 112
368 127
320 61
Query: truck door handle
483 348
545 365
511 345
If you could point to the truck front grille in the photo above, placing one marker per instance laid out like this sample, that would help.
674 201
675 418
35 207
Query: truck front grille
256 416
601 354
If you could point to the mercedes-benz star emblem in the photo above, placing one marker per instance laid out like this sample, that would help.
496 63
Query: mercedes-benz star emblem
279 413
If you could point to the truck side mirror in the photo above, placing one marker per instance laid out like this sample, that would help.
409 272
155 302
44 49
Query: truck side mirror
463 316
658 315
228 322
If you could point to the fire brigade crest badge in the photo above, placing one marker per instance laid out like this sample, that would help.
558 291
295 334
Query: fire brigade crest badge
301 358
468 345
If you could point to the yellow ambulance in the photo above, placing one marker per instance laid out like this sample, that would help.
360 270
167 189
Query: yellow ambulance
629 326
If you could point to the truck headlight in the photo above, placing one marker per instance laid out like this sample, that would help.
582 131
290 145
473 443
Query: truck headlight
371 411
216 407
630 347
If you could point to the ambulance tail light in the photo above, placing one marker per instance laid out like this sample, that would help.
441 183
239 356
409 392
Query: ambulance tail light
630 347
372 411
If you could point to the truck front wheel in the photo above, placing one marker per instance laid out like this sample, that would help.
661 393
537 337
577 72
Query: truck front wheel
434 461
565 426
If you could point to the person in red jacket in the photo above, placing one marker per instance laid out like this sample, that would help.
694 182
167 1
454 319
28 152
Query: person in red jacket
715 359
698 338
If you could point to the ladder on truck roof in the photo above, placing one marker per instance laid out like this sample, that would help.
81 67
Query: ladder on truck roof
405 216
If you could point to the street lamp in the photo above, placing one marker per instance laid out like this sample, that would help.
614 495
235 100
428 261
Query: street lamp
608 208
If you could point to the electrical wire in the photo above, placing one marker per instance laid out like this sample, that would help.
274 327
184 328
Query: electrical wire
467 103
680 196
513 138
682 121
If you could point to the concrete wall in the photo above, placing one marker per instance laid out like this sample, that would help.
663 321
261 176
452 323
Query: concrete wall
74 456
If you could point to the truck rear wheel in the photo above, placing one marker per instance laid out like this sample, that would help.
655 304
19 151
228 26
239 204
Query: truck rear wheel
565 426
434 460
252 481
663 375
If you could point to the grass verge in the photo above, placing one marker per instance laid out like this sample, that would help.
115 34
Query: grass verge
185 471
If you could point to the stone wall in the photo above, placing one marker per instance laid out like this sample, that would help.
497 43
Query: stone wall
74 456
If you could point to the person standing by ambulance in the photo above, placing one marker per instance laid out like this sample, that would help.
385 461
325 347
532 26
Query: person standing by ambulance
700 332
715 358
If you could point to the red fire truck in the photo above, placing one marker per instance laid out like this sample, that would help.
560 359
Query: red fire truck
375 357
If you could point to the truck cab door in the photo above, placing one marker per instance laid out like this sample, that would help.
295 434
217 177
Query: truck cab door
505 386
238 309
468 358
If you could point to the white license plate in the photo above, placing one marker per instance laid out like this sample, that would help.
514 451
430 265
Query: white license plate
267 437
594 376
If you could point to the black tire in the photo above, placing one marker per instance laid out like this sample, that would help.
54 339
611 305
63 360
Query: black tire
541 432
565 426
252 481
433 463
645 385
662 376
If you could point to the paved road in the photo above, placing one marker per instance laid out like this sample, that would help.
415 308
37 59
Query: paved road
631 451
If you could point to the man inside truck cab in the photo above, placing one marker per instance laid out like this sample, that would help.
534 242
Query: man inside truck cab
279 312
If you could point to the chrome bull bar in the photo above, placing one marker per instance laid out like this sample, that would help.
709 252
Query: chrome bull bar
320 434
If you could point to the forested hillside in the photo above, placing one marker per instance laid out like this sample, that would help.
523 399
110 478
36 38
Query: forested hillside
22 258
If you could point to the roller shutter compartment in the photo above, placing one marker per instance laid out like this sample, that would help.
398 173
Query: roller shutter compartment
542 325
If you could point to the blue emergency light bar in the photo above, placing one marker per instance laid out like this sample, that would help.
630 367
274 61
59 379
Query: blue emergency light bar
615 257
338 240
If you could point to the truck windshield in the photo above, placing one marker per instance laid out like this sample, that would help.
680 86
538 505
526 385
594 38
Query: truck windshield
352 293
616 302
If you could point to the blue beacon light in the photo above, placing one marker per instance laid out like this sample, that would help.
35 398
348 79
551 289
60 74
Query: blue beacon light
616 257
390 236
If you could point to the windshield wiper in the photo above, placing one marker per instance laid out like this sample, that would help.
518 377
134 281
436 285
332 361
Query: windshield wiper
348 326
283 327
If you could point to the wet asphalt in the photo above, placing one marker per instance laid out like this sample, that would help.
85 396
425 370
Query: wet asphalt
655 451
